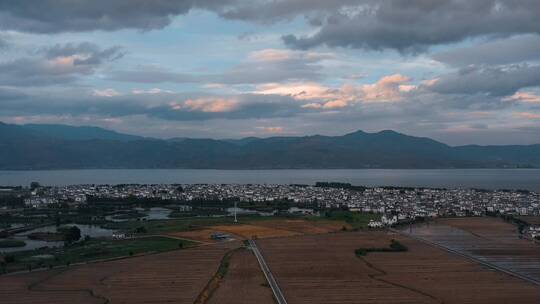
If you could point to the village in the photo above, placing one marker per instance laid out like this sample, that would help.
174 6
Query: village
396 203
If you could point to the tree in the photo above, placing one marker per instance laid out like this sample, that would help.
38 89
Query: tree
72 234
34 185
141 229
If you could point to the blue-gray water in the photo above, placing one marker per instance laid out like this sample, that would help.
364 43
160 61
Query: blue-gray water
451 178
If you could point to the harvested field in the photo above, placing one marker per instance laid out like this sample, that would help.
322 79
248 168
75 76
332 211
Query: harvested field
254 231
264 229
531 220
305 227
324 269
488 239
199 235
243 283
176 276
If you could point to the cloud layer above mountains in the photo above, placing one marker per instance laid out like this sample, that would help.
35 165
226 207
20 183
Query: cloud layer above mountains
460 71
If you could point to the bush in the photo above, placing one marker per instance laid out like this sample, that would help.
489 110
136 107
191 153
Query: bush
9 259
141 229
11 243
395 246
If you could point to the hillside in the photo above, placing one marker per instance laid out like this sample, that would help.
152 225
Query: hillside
65 147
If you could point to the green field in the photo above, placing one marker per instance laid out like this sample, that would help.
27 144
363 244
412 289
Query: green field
152 227
11 243
357 220
90 250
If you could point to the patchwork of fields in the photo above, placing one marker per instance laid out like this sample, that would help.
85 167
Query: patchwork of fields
175 276
487 239
325 269
313 261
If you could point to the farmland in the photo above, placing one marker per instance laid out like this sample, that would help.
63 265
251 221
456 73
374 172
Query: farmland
313 261
175 276
324 269
264 229
93 249
244 282
489 239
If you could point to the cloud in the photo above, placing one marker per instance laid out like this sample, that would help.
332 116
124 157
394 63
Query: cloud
264 66
525 97
370 24
527 115
390 88
209 105
272 130
503 51
3 43
494 81
151 75
60 64
106 93
84 53
53 16
387 89
109 103
380 24
151 91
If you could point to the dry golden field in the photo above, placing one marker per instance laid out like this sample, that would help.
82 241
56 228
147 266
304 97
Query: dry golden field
171 277
324 269
244 283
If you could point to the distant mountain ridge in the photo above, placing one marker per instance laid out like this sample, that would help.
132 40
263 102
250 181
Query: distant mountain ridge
77 133
31 147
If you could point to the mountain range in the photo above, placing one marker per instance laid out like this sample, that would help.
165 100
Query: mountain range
42 146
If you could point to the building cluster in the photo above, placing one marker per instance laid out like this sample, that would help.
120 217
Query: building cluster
395 203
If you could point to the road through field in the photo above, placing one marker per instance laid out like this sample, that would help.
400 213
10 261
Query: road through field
280 298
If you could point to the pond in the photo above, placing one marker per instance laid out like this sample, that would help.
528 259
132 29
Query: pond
92 231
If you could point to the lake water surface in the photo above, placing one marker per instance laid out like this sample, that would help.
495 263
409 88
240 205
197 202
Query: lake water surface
447 178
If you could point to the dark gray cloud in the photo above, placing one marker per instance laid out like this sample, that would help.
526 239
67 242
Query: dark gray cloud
53 16
181 107
88 53
504 51
59 64
494 81
413 26
408 26
3 43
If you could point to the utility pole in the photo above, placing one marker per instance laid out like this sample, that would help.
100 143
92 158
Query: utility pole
235 219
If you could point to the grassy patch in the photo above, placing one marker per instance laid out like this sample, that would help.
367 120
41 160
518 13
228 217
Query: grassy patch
91 250
357 220
153 227
11 243
395 246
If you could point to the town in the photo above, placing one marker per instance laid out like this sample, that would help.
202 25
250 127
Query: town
404 203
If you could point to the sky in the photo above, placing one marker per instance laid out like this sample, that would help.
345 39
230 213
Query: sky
458 71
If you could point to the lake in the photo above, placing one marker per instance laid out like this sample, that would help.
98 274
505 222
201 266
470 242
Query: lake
447 178
92 231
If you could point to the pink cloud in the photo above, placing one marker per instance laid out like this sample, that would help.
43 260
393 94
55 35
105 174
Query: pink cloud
387 89
272 130
526 97
527 115
106 93
210 105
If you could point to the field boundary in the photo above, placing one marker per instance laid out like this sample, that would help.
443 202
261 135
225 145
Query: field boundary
216 279
469 257
34 287
377 277
278 294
